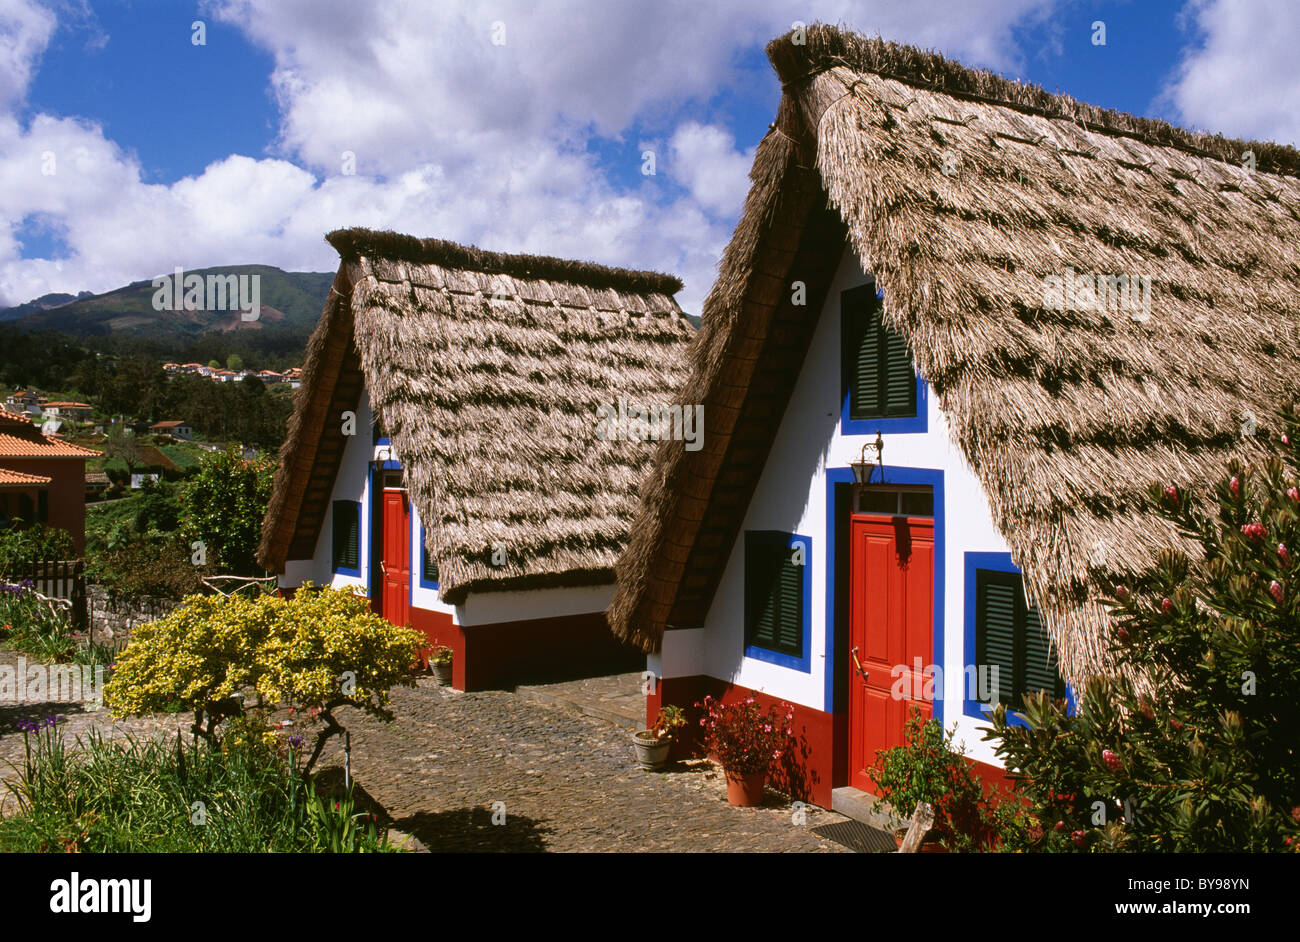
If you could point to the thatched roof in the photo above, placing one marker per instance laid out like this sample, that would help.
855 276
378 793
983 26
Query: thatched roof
486 371
962 192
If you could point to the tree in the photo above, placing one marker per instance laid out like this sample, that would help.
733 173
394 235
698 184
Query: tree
318 651
214 364
121 444
224 503
1191 743
234 362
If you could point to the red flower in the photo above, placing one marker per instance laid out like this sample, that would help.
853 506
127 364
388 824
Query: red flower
1059 827
1171 494
1121 593
1294 494
1166 606
1275 590
1283 555
1253 530
1123 635
1080 839
1234 486
1111 760
1175 724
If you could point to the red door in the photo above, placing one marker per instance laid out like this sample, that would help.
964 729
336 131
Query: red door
891 624
395 561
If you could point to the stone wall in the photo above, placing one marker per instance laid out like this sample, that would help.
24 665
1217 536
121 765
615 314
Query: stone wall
112 618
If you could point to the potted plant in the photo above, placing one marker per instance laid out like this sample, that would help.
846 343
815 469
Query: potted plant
745 740
440 662
652 744
928 768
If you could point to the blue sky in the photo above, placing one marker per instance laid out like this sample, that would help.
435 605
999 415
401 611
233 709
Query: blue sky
170 153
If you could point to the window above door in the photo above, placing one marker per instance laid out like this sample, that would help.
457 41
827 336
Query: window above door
879 385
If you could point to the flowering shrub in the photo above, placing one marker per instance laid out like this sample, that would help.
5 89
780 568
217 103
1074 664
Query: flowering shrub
1202 755
319 650
746 739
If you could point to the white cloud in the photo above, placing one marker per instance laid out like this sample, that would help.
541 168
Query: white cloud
453 136
1239 76
25 31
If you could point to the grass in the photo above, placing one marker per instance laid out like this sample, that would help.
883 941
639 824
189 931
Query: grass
127 795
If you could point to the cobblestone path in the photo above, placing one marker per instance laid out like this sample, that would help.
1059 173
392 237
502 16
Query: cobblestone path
567 780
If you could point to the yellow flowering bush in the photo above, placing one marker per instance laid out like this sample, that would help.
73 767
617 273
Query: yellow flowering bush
198 656
319 650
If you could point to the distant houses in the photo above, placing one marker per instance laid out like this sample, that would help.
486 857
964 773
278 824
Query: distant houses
176 428
80 411
217 374
24 401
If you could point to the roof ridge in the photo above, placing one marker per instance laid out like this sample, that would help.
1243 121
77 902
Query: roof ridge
826 46
356 241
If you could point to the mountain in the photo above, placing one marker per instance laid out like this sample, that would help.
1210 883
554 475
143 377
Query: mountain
44 303
289 300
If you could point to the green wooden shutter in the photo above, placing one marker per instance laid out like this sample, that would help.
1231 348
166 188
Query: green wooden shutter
996 629
899 387
1040 659
347 535
1010 635
879 376
773 593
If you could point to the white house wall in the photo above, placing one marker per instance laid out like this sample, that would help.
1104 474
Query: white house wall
791 497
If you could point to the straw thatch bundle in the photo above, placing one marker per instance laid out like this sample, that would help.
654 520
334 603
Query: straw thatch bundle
965 195
486 371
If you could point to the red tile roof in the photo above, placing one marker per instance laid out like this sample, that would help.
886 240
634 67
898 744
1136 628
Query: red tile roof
11 478
20 439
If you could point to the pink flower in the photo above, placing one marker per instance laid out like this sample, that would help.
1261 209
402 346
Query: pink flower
1275 590
1166 606
1294 494
1111 760
1234 486
1171 494
1285 440
1253 530
1283 554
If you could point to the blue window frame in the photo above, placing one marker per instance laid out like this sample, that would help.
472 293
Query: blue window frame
1002 629
778 598
880 388
346 532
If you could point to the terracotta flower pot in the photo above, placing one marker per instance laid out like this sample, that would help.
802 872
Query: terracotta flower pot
745 789
442 671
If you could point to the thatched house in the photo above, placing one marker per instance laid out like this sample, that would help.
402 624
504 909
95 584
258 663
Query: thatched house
1040 306
445 450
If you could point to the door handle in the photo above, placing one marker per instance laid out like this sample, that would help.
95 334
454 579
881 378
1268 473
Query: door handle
858 664
383 568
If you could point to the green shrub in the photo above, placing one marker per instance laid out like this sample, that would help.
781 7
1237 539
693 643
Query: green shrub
19 547
224 503
161 568
1190 744
929 767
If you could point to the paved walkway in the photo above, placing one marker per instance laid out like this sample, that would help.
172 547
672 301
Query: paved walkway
566 781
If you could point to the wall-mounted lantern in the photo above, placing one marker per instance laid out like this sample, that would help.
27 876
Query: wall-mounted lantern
873 456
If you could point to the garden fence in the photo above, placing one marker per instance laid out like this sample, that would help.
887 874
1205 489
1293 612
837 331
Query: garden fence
57 579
